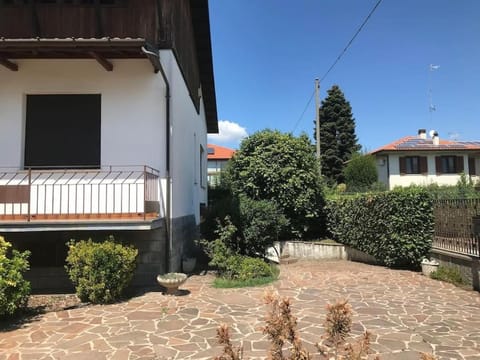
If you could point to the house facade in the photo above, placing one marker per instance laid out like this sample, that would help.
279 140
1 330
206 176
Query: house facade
105 108
422 160
217 159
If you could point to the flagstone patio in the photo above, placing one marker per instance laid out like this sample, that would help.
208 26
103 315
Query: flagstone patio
406 312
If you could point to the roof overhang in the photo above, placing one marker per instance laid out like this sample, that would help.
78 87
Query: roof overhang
99 49
203 42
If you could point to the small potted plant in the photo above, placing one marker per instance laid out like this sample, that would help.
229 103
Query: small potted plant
429 266
171 281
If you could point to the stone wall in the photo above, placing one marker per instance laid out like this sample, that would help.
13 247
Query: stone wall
309 250
468 266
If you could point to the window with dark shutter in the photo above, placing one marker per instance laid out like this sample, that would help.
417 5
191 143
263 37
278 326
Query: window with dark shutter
403 166
423 165
410 165
459 165
63 131
449 164
438 165
472 171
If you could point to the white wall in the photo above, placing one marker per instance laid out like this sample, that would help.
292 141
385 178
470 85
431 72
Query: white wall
188 129
395 179
133 103
132 119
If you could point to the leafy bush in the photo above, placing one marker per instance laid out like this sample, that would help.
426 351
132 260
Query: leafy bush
395 227
251 268
280 168
14 289
250 227
100 271
360 172
448 274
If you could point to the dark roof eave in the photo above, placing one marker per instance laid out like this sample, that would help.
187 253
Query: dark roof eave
201 24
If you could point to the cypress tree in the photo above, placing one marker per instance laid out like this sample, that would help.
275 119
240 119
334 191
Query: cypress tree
337 135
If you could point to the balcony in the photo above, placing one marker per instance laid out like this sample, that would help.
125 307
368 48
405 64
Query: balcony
118 194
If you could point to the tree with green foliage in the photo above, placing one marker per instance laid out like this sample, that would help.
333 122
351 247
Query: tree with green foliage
360 172
337 135
271 165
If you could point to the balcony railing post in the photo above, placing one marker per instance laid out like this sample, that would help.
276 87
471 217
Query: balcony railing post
29 194
144 192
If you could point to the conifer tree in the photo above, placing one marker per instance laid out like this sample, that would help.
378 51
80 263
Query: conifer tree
337 135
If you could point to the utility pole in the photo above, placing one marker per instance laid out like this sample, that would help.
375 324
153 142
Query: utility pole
317 122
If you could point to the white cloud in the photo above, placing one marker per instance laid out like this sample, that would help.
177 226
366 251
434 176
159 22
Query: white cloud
228 132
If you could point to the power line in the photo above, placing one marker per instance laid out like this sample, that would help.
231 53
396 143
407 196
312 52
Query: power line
351 40
303 112
338 59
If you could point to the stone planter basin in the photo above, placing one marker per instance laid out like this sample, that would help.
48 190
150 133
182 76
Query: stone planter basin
429 266
171 281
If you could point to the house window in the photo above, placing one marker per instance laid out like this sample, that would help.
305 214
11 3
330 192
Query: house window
63 131
449 164
413 165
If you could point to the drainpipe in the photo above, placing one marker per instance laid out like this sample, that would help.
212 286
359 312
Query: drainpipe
168 210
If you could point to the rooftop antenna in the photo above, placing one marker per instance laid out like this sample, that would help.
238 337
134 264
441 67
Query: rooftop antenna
431 106
454 135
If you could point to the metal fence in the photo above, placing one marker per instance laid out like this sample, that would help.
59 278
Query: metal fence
457 226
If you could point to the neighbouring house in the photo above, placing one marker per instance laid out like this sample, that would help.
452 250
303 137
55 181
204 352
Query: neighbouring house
217 159
421 160
105 107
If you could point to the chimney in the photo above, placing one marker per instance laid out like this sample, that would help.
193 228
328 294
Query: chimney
422 134
435 138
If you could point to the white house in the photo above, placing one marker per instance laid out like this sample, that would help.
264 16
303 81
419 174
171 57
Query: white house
104 112
217 159
421 161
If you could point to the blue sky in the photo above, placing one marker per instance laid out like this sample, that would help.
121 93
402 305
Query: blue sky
267 54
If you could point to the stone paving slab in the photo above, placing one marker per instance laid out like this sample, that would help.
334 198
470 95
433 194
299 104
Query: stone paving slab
406 312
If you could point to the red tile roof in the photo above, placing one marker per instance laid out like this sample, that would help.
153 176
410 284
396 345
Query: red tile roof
409 143
219 152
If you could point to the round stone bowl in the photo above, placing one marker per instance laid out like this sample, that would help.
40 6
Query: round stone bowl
171 281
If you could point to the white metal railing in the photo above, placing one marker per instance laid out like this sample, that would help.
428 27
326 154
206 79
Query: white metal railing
112 191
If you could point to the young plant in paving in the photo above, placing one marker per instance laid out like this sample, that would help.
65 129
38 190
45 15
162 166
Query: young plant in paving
229 351
281 328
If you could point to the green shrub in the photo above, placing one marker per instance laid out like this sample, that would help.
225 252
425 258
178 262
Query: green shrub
100 271
14 289
395 227
252 268
261 222
448 274
251 227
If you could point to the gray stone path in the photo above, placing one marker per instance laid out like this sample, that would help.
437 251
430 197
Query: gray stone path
406 312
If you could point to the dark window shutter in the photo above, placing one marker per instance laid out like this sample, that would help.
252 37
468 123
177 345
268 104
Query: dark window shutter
403 165
471 167
423 165
459 164
438 164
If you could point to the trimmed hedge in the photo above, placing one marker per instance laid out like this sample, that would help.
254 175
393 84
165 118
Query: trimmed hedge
395 227
100 271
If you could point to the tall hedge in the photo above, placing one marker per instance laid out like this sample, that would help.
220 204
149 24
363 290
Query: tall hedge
395 227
